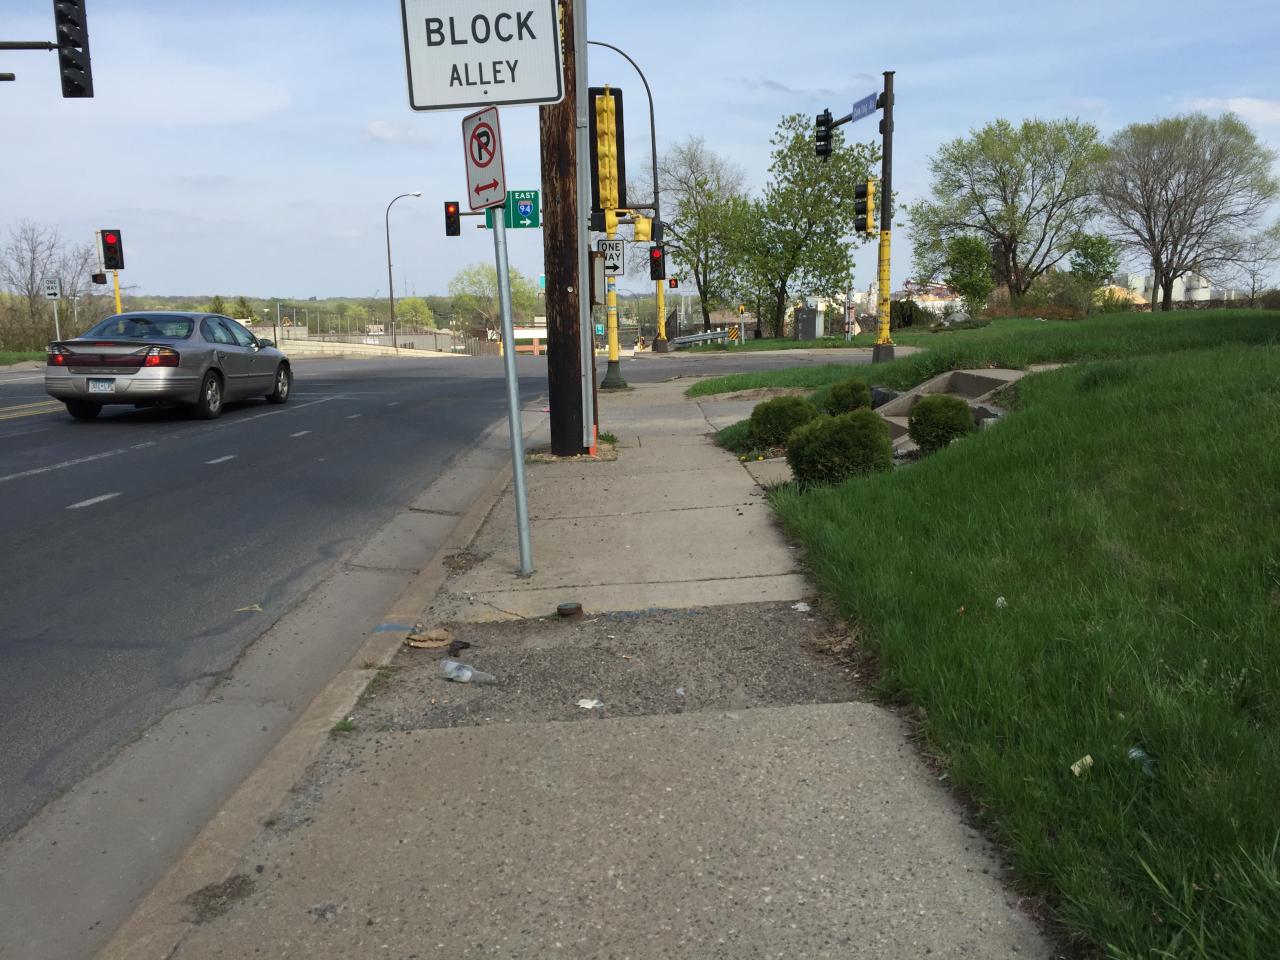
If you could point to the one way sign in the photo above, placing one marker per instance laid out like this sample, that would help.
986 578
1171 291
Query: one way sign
614 257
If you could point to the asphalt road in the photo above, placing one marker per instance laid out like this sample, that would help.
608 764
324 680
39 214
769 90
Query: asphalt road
132 543
139 547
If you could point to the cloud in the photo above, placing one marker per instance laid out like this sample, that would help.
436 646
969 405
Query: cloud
388 132
1253 109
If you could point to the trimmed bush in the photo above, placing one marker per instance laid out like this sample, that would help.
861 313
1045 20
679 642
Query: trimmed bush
908 313
938 419
772 421
832 449
847 396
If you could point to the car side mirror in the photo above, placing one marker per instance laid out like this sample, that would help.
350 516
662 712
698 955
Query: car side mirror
264 343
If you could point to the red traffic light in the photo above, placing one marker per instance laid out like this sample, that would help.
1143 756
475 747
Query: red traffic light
112 249
452 219
655 253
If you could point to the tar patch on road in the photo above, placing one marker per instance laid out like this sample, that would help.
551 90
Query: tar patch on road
637 664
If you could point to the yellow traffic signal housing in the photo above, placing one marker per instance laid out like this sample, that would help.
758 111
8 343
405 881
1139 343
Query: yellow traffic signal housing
611 222
608 154
644 229
864 207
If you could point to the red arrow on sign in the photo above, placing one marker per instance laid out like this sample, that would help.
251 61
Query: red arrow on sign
486 187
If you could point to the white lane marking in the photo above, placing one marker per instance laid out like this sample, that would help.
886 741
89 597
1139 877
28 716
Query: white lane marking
300 433
92 500
19 380
394 403
354 416
229 456
37 471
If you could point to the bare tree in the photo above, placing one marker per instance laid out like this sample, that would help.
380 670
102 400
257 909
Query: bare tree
1255 261
29 254
1183 190
700 190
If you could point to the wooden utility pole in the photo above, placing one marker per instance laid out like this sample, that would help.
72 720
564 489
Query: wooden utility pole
560 226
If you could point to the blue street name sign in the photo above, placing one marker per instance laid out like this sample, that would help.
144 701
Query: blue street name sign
864 107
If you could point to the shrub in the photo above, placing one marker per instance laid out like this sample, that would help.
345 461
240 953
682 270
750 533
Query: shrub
938 419
908 313
847 396
735 437
772 421
1109 301
832 449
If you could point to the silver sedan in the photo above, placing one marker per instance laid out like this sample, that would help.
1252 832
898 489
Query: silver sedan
200 360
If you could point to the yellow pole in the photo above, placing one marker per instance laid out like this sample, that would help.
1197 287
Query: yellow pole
115 275
662 309
882 335
611 310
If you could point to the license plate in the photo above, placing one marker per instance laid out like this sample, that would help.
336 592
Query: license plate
102 386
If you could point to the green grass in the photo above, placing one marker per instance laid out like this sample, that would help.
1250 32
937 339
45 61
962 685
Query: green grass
8 357
607 437
1020 343
1129 513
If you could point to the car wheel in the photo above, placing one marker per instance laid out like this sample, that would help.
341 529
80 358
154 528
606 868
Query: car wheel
284 383
83 409
210 403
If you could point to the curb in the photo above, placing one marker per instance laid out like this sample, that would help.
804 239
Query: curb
158 924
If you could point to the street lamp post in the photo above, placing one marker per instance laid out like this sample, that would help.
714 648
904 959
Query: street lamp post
660 340
391 293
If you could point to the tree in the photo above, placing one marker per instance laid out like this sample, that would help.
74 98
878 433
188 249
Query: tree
1182 190
1026 191
217 305
702 193
1094 258
28 255
415 312
474 290
794 242
244 310
1256 259
968 268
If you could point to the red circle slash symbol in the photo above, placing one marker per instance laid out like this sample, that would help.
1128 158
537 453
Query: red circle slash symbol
482 145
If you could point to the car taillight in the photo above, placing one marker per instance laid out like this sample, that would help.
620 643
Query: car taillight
160 357
56 357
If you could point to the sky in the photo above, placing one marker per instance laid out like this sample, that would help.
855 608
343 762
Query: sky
252 147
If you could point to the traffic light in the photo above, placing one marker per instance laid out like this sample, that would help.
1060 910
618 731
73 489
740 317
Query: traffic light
822 134
657 263
864 207
452 219
644 229
112 249
73 48
673 283
608 149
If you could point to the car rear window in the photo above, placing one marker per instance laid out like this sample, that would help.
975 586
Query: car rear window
133 327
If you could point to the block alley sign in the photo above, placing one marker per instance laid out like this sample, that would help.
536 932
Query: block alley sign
479 53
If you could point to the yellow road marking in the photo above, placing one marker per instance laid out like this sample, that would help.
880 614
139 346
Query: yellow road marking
29 409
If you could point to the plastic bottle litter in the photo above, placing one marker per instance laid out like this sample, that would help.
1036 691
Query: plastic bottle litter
464 673
1141 757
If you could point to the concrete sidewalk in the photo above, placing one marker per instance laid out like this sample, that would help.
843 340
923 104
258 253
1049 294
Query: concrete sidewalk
680 773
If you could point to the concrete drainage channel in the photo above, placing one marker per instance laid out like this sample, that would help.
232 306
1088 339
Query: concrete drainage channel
96 853
975 387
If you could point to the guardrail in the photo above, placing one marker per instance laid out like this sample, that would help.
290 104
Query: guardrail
692 338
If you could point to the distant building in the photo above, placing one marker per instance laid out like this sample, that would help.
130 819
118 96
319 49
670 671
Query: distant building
1188 288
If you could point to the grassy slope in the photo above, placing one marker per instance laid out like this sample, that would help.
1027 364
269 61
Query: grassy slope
8 357
1129 512
1019 343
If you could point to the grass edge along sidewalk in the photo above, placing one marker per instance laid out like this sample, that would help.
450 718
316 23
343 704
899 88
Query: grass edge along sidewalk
1021 343
1098 576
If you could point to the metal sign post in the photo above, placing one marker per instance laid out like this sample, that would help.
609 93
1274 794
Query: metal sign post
486 189
513 396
